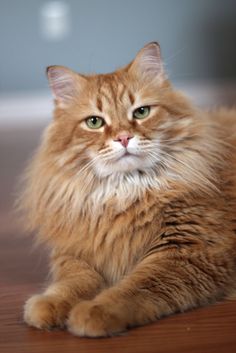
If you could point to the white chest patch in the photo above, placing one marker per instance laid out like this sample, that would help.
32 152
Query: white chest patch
124 189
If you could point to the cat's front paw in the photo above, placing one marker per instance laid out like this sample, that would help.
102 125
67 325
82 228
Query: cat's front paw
45 312
91 319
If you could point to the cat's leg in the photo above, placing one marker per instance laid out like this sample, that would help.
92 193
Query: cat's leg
73 281
155 288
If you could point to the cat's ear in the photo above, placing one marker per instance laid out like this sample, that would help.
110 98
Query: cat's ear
148 63
65 84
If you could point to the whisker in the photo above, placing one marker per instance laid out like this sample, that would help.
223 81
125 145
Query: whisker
87 166
168 158
200 176
108 157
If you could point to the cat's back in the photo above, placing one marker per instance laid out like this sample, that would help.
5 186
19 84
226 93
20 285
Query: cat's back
224 122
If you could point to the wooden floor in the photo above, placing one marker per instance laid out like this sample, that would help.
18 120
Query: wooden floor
24 269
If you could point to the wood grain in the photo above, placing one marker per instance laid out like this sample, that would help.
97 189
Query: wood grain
23 271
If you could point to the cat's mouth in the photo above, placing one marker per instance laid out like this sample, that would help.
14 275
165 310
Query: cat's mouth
123 161
126 154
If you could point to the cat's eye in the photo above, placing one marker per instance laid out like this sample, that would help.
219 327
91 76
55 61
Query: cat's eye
94 122
142 112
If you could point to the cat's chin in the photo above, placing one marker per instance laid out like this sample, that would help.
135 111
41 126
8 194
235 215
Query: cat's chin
128 163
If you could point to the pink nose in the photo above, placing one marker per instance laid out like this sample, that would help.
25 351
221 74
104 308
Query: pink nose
124 138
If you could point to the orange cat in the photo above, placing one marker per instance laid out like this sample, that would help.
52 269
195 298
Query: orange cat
134 190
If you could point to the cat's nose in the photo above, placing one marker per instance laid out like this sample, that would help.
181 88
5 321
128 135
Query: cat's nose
124 138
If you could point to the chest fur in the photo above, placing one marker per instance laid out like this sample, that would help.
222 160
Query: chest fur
114 242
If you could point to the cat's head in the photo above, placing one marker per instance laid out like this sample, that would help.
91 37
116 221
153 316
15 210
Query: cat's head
122 122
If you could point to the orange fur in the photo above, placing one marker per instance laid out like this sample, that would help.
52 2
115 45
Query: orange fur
132 238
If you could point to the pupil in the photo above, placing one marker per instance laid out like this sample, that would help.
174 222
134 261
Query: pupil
94 120
141 110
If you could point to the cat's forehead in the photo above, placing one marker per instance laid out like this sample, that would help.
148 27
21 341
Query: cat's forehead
113 92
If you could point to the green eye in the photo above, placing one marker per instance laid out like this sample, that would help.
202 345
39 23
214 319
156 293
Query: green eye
142 112
94 122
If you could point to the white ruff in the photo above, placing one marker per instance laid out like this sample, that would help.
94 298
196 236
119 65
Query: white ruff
120 188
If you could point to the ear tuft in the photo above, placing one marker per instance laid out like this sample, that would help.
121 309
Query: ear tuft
148 63
64 84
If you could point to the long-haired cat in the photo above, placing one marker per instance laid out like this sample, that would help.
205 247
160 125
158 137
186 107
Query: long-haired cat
134 191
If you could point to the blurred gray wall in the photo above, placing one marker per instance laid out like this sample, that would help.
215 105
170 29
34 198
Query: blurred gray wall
198 38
